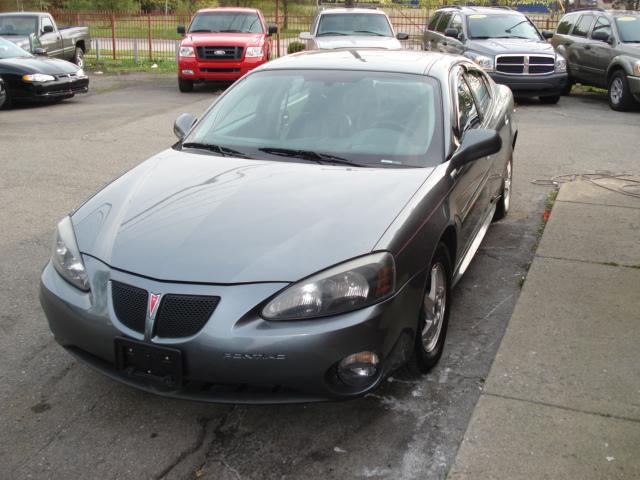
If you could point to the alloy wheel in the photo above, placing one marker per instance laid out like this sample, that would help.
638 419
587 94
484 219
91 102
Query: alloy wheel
616 90
434 307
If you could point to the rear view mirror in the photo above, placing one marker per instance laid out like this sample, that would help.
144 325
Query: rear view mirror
304 36
402 36
476 143
181 29
451 33
40 51
601 36
273 29
183 124
547 34
47 29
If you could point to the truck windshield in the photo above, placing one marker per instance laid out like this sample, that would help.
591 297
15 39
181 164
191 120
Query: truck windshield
11 50
629 28
364 118
354 24
501 26
18 25
236 22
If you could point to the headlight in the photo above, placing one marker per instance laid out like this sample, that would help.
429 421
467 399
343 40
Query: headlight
80 73
254 52
486 63
349 286
187 52
66 257
38 77
561 64
636 69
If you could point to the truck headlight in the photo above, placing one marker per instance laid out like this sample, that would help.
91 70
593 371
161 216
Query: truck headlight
561 64
349 286
254 52
66 258
38 77
187 52
484 62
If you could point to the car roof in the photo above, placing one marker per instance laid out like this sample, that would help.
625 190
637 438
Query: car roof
612 12
482 10
20 14
228 9
374 11
370 59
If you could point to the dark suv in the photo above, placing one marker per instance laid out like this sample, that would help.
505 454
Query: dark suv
602 49
505 43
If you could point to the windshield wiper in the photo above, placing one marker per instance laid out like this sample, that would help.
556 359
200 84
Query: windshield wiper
232 31
508 30
224 151
514 36
309 155
329 33
202 30
370 32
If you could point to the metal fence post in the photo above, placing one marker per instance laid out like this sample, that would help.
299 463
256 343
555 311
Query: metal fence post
149 37
278 26
97 49
136 57
113 33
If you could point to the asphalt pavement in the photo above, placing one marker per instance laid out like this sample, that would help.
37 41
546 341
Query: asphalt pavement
62 420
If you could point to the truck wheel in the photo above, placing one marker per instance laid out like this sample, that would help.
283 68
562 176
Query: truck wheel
78 57
620 97
185 85
552 100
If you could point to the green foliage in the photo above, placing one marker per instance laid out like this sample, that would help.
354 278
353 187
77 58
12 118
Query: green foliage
295 47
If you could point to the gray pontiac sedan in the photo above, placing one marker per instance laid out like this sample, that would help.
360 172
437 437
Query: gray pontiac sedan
300 241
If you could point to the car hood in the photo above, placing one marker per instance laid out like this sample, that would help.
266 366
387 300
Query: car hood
357 41
500 46
224 39
49 66
197 218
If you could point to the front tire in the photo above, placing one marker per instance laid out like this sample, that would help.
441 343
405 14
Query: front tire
185 86
620 98
502 208
78 57
434 312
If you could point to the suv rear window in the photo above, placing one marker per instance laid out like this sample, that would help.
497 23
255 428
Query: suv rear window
566 24
582 27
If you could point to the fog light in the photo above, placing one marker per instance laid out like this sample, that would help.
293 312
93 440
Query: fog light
187 72
358 369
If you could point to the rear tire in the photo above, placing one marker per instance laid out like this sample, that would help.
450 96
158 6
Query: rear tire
552 100
434 312
502 208
620 98
78 57
185 86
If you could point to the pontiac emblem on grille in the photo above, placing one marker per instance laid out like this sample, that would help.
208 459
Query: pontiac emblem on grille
154 301
219 52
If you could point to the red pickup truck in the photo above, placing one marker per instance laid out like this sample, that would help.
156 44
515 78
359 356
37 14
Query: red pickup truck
222 44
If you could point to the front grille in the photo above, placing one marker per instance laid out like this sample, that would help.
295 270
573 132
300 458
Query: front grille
220 53
183 315
525 64
130 305
220 70
66 75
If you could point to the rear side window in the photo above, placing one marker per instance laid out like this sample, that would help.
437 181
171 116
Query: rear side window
582 27
434 21
566 24
444 21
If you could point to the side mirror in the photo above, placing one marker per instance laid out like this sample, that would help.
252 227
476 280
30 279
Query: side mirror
181 29
273 29
402 36
601 36
42 52
183 124
305 36
451 33
476 144
547 34
47 29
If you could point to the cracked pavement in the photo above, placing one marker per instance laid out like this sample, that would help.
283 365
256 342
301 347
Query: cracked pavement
62 420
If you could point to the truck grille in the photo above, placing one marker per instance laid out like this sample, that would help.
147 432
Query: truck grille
130 305
183 315
220 53
525 64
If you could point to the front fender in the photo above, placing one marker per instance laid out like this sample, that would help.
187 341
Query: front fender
624 62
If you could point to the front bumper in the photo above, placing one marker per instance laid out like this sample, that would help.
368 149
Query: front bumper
634 86
532 85
216 69
61 87
237 357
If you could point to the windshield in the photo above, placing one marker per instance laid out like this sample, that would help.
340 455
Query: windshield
366 118
629 28
501 26
17 25
354 24
11 50
236 22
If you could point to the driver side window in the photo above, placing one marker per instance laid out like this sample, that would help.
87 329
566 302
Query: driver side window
45 23
467 110
602 25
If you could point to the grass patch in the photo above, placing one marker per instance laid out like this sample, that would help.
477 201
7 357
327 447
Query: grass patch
588 89
108 65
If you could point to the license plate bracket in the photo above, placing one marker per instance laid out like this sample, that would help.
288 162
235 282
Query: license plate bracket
162 365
